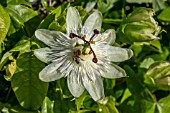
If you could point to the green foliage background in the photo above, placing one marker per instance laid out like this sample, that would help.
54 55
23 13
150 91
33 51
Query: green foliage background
145 90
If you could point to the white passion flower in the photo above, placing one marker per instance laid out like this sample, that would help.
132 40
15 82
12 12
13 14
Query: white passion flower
83 55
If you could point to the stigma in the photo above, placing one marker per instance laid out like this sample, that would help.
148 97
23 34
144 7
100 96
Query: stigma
86 45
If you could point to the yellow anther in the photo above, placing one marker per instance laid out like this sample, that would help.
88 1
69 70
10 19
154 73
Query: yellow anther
92 42
84 37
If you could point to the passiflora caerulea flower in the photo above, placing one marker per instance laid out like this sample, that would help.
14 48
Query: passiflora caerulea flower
83 54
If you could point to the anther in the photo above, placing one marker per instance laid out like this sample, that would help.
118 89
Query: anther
94 56
84 37
96 31
72 35
94 60
92 42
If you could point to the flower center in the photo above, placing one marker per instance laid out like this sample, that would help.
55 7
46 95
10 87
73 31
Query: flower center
86 45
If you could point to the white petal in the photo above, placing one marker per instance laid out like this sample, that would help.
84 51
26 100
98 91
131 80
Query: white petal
73 21
52 38
51 72
108 36
43 54
117 54
74 83
94 21
94 87
113 71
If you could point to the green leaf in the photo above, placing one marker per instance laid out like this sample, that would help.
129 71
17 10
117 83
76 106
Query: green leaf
126 95
46 22
136 87
47 106
79 101
4 24
164 15
29 90
57 11
146 63
20 14
22 46
162 56
144 106
56 26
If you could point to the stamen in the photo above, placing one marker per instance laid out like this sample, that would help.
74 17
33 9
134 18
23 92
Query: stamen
72 35
95 60
94 56
95 33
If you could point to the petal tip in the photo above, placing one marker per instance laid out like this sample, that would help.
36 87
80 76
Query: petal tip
38 32
130 53
42 78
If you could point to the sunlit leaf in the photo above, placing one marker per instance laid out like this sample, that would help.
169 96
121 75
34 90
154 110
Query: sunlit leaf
4 24
20 14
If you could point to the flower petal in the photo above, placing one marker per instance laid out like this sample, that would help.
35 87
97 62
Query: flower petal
94 21
94 86
117 54
43 54
52 38
108 36
75 84
51 72
73 21
113 71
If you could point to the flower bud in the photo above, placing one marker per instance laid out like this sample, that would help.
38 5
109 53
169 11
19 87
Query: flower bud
159 74
139 26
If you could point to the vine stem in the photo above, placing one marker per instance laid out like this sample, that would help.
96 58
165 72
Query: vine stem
8 93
